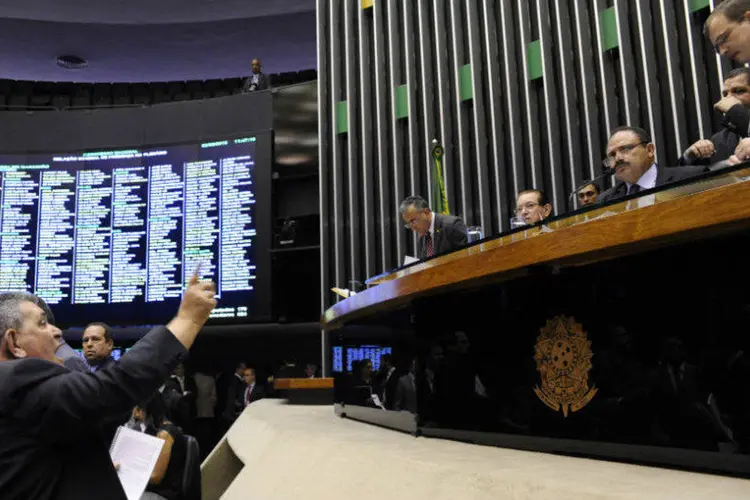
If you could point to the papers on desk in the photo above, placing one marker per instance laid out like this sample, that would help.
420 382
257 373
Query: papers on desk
136 453
343 292
408 259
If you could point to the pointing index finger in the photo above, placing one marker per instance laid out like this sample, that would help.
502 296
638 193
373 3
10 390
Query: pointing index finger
195 278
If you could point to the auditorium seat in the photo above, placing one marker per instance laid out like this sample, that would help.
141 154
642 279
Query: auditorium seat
141 94
121 94
196 90
102 95
82 96
159 93
191 477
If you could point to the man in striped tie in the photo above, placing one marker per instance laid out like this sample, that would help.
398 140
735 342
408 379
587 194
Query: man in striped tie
437 233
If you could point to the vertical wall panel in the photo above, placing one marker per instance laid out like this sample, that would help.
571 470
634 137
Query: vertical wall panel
496 128
353 189
480 170
383 143
427 91
552 150
337 168
324 133
397 143
586 77
461 137
444 84
463 72
366 70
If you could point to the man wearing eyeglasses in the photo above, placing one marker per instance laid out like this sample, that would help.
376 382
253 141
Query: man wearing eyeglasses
533 206
437 233
728 28
631 158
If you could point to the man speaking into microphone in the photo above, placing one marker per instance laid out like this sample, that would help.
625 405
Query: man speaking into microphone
631 157
50 444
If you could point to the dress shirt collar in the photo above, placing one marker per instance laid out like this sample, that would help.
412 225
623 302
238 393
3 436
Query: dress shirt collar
647 180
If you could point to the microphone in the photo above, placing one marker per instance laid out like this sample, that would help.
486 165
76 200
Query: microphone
598 177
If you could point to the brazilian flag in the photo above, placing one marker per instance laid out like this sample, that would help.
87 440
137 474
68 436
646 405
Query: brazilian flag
439 201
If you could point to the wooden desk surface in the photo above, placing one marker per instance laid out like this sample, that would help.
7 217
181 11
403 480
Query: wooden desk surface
303 383
699 210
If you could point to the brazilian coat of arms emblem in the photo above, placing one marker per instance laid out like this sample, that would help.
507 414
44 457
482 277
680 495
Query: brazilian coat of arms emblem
563 359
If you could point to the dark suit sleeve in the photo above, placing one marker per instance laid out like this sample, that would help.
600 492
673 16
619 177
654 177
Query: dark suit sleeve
76 364
263 82
738 119
68 404
458 236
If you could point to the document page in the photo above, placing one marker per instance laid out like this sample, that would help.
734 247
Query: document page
136 453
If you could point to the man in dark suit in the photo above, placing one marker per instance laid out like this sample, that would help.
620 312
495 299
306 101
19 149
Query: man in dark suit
256 81
630 157
253 391
235 391
49 444
437 233
183 406
97 345
735 107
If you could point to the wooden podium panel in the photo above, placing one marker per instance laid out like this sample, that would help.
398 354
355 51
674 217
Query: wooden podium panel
303 383
617 333
698 210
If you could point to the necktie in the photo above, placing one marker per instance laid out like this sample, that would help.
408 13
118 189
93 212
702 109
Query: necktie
428 245
634 188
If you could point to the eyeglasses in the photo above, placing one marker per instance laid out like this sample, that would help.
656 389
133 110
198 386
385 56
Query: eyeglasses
612 156
527 206
410 223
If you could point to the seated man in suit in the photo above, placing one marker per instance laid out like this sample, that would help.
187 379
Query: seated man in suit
588 194
437 233
630 157
533 206
735 106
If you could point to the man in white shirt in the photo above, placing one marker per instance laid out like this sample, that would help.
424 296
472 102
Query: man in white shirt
631 157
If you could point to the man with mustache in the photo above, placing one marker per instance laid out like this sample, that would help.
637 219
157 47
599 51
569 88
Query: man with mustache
631 158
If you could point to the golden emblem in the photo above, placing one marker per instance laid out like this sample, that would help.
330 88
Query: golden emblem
563 359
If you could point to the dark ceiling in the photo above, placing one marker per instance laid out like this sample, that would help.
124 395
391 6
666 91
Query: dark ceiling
154 40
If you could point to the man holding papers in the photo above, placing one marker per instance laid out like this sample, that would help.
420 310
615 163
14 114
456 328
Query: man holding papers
50 446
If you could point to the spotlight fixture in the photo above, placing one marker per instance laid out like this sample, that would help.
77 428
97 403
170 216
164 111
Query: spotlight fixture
72 62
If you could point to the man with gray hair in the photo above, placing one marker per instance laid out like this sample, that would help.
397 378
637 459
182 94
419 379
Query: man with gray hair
50 444
437 233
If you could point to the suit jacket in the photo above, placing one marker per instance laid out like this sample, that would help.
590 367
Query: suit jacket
262 83
664 175
450 235
406 394
183 408
256 394
49 444
725 142
106 363
235 401
71 360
